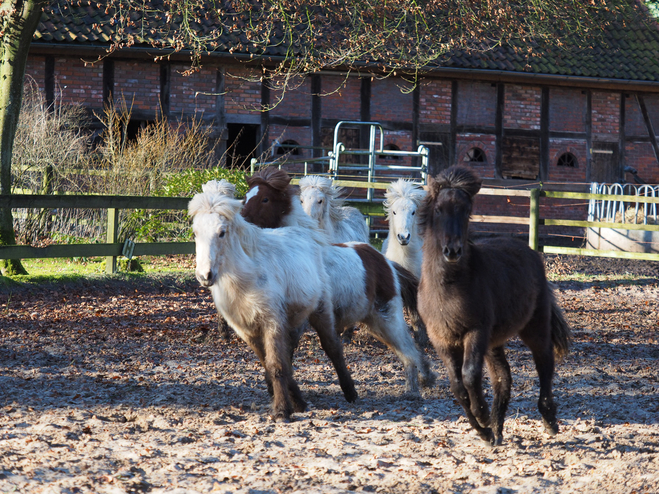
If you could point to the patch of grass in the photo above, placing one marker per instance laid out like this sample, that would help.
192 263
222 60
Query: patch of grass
67 270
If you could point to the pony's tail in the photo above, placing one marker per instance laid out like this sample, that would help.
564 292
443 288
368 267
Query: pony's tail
561 334
409 287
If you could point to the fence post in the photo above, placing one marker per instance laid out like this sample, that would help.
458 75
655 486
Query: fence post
113 224
534 218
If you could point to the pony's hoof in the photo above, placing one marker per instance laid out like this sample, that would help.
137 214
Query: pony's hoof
281 417
300 406
496 441
428 380
551 427
351 396
486 435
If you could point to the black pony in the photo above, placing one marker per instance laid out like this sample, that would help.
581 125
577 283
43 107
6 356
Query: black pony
475 296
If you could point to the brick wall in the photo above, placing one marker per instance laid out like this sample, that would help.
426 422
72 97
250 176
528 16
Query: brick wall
579 149
522 107
340 97
389 103
78 82
476 103
634 123
567 110
294 101
35 69
606 115
192 94
652 102
435 102
640 155
138 83
243 90
301 135
465 142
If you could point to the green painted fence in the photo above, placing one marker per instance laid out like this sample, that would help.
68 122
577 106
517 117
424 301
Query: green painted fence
112 249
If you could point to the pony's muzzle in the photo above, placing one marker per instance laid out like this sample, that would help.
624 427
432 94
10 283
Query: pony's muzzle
205 278
452 253
404 239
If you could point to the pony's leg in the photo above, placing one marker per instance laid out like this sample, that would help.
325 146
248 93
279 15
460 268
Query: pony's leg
277 364
453 360
323 322
543 356
475 348
499 370
256 344
419 327
391 330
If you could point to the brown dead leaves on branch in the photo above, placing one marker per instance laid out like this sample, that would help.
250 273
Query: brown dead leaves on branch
299 37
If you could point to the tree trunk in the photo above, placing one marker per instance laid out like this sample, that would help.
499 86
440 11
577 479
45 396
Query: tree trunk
18 21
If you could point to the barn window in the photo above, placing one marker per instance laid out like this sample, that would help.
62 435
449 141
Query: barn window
390 147
289 146
476 155
520 158
567 159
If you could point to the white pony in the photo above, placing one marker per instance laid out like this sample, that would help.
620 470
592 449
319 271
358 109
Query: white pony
266 283
366 287
222 187
323 202
403 244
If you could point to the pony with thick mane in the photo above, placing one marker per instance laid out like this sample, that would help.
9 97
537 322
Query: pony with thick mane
266 283
475 296
403 243
365 287
323 201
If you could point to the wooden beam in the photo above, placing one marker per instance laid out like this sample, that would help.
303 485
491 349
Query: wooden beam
648 125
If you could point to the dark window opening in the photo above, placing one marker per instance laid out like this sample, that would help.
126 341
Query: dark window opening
567 159
134 127
242 145
390 147
289 146
476 155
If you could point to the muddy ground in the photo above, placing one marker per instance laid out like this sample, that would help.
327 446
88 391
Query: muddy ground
116 386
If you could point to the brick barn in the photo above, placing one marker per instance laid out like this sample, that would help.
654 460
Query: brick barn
516 114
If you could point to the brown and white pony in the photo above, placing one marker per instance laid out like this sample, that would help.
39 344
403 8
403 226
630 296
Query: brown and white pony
266 283
365 287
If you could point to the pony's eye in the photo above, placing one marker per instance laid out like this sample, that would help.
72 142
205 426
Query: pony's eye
320 201
221 234
413 213
265 199
394 213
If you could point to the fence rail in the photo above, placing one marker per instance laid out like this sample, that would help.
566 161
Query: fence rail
112 249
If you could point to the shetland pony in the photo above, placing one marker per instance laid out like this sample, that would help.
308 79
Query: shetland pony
403 244
266 283
475 296
323 202
365 287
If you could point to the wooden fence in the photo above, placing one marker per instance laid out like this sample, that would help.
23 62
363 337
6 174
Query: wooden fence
112 249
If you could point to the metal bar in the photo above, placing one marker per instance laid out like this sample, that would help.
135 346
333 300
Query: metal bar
600 224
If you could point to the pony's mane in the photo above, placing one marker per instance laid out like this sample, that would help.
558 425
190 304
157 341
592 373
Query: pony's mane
272 176
221 187
454 177
333 194
212 202
402 189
